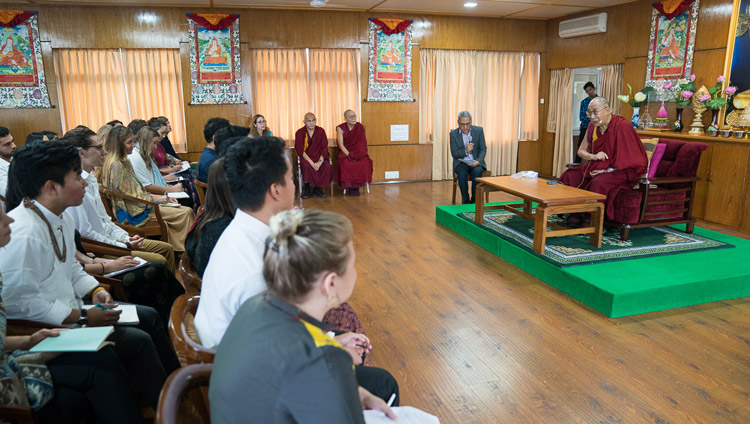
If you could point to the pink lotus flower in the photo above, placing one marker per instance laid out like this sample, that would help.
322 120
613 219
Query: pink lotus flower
720 79
662 113
668 85
692 77
686 94
704 98
730 90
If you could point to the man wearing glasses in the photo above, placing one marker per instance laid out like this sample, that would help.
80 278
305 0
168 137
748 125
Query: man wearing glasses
468 150
614 157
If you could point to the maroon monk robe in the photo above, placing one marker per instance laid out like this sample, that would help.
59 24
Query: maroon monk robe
356 169
316 148
626 154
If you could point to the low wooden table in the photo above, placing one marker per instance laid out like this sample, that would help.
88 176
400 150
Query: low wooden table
551 199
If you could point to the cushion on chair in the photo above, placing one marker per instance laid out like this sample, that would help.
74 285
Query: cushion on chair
650 145
653 165
686 160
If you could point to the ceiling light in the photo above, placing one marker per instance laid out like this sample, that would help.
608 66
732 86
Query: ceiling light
470 4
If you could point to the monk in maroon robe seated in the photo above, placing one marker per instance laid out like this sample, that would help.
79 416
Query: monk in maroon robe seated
613 153
355 167
311 144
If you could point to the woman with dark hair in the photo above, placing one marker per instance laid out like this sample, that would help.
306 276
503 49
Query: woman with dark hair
217 214
118 175
258 126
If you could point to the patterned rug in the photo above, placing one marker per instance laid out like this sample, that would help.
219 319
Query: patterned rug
575 249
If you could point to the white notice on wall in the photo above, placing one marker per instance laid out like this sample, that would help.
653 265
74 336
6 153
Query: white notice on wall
399 132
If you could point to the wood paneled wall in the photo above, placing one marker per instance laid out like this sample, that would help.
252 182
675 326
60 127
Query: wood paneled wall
123 27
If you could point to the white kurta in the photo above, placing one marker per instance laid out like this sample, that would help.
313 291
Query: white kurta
3 179
91 217
36 285
233 275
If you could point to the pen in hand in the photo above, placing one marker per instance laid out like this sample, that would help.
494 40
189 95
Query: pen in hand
106 308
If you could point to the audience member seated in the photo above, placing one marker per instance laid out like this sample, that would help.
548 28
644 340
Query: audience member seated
146 170
217 214
258 127
103 132
42 280
226 133
164 142
136 124
115 123
311 144
260 181
171 167
295 371
468 149
209 154
614 154
40 136
61 388
118 175
354 165
7 147
91 217
150 285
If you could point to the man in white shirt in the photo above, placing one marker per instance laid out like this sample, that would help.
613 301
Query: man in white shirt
43 282
260 180
7 146
91 218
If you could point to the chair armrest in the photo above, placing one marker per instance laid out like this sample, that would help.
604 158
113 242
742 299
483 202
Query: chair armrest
154 205
22 327
101 249
113 286
668 180
571 165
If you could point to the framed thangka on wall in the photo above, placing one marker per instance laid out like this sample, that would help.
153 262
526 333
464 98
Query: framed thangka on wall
22 82
215 73
670 54
389 61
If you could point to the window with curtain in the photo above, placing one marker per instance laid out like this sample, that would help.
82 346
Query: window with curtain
287 83
96 86
499 89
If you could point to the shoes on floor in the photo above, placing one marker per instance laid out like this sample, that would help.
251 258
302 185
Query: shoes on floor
317 191
353 192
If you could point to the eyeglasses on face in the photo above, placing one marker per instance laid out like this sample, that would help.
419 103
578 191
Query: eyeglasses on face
591 113
97 147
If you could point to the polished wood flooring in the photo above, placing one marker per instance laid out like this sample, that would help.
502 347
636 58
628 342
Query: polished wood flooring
473 339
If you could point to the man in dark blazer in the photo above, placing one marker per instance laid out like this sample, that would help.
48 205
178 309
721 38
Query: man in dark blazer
468 150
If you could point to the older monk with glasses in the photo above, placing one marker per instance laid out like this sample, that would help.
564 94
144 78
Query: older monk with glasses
614 157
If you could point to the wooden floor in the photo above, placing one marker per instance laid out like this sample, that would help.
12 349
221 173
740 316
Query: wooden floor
473 339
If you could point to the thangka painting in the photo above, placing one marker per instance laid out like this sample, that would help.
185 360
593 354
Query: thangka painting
215 74
390 61
670 55
22 83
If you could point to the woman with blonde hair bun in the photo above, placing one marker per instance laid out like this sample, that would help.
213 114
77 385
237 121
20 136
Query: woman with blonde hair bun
294 369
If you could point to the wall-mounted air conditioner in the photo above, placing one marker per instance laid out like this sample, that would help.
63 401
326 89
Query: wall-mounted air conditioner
584 25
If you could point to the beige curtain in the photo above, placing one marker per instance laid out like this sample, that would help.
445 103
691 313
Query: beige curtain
91 87
427 94
287 83
559 118
99 85
334 81
612 77
490 85
154 88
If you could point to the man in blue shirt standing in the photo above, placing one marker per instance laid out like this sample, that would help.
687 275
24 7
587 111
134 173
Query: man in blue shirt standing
591 91
209 154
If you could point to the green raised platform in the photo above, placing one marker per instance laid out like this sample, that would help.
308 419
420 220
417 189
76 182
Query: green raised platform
627 287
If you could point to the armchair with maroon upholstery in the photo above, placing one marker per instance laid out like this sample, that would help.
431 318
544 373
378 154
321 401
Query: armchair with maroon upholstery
667 198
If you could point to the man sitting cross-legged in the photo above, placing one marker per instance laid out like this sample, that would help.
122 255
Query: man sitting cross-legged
260 180
42 280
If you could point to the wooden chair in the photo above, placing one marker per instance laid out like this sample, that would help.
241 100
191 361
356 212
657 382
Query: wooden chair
184 396
202 189
191 281
149 229
17 415
183 334
455 186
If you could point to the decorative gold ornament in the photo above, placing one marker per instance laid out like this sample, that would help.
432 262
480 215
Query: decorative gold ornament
738 118
696 128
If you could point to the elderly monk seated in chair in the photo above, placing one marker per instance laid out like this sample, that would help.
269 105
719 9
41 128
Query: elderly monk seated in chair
614 157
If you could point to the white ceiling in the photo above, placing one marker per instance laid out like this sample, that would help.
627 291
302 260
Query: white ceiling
521 9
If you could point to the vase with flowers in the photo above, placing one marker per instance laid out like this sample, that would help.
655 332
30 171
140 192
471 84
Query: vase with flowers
660 123
687 90
635 101
717 98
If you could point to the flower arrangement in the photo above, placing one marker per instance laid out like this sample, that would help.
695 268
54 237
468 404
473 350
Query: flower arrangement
635 100
687 90
714 99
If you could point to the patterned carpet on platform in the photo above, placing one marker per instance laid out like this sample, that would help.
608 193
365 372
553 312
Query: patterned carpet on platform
575 249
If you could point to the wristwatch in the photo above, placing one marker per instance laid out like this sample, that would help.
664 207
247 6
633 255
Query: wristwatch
83 320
